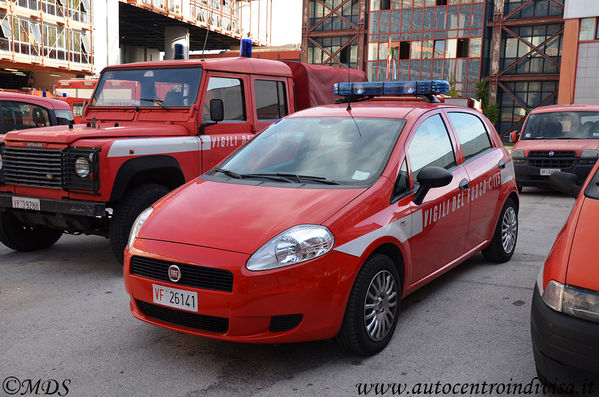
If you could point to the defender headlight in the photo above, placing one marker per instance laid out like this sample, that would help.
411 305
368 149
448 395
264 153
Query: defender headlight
574 301
139 222
295 245
589 154
82 167
518 154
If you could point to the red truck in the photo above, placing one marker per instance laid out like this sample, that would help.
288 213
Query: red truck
151 127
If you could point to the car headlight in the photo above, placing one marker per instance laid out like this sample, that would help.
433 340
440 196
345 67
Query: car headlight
139 222
82 167
518 154
295 245
574 301
589 154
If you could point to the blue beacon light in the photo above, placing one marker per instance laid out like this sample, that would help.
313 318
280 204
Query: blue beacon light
396 88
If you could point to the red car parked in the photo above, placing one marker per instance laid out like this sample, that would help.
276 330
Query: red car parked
21 111
321 224
565 304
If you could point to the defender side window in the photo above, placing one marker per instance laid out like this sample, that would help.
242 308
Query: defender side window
230 91
471 132
431 146
271 99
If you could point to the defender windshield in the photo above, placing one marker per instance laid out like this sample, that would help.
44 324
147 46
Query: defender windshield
318 150
158 87
562 125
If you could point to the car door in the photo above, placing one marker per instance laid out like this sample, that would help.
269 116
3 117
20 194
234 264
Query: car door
482 161
271 99
440 240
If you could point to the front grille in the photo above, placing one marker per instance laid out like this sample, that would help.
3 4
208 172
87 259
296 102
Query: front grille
556 153
191 275
552 163
201 322
32 167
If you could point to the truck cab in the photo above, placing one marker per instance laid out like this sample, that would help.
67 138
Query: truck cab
148 130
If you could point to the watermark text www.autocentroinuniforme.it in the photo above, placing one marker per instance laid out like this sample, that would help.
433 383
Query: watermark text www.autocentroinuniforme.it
11 385
511 388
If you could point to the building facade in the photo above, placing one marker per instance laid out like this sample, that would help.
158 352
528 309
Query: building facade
514 44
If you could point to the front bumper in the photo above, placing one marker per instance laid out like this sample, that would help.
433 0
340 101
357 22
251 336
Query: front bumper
59 206
565 348
292 304
528 175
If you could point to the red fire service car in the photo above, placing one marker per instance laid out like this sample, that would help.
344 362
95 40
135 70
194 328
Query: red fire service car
565 304
21 111
150 128
556 138
321 224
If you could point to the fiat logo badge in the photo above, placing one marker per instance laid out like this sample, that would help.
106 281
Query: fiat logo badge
551 153
174 273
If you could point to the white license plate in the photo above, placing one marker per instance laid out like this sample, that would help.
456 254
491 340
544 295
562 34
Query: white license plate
177 298
24 203
549 171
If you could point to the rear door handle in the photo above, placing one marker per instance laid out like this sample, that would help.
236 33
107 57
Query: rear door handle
464 184
501 164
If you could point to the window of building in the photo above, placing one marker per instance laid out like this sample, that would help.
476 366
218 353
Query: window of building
587 29
439 51
385 4
463 48
231 92
471 132
271 100
423 152
404 50
441 2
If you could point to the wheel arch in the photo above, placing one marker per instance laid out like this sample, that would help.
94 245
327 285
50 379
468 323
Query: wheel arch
160 169
394 253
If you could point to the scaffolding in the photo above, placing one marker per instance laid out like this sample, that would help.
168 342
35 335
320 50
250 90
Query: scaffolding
47 34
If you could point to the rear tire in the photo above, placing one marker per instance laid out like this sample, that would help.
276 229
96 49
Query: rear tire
20 237
372 309
127 210
504 240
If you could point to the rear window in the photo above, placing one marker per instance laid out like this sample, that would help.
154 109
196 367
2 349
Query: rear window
21 115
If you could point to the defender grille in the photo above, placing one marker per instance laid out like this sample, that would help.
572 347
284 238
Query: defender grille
185 319
191 275
32 167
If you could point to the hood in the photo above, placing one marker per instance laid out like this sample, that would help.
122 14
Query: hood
61 134
237 217
583 265
576 145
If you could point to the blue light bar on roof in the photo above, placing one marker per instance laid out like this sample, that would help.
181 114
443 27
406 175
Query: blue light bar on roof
396 88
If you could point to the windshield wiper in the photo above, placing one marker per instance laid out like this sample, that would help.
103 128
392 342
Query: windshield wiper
228 173
311 178
235 175
155 100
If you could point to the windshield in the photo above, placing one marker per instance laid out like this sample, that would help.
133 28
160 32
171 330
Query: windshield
562 125
329 150
159 87
63 116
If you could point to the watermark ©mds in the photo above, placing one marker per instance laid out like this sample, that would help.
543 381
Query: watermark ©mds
511 388
11 385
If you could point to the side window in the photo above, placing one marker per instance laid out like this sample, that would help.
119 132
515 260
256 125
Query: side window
231 93
21 115
402 184
471 132
271 99
430 145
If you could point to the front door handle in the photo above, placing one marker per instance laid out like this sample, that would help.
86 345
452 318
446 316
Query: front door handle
464 184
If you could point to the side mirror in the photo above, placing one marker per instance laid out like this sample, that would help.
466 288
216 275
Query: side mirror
217 110
428 178
515 136
565 182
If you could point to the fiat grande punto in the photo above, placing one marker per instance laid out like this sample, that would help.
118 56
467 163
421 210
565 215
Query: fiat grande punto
320 225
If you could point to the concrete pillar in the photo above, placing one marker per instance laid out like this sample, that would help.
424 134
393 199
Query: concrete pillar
175 35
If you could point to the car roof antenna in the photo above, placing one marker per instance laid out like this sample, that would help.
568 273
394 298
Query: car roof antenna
350 92
205 41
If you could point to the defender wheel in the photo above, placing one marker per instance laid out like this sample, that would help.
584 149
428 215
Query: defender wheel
20 237
505 236
372 308
125 213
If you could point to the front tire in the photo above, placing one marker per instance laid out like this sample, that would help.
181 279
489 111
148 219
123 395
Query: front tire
127 210
504 240
21 237
372 309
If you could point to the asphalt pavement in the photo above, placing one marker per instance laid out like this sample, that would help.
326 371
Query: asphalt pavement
65 321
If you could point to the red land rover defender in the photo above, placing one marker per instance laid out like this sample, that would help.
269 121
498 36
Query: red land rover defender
150 128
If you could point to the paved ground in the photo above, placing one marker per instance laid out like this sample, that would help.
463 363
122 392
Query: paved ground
64 315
